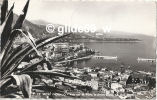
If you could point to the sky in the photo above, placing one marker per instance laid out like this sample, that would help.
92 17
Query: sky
134 17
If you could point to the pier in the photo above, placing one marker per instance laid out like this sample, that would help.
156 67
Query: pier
106 57
145 60
76 59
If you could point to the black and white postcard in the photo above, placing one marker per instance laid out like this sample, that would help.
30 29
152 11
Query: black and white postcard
78 49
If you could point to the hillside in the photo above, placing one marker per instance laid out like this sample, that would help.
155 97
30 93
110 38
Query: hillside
38 29
112 34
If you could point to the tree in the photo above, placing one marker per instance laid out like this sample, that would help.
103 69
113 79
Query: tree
129 80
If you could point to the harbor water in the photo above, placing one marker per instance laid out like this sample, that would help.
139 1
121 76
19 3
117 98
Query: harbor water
127 53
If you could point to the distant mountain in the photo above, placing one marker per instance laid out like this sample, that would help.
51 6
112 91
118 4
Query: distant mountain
35 29
44 23
38 29
40 22
120 34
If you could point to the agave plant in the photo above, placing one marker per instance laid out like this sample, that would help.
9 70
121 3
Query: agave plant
8 35
11 58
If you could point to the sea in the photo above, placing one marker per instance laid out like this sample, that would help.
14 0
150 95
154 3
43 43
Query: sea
127 53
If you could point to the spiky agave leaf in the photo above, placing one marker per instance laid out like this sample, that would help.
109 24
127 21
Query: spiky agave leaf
22 16
24 81
6 18
50 72
29 40
19 48
5 82
30 67
6 28
4 9
11 9
29 48
8 53
17 25
4 22
8 46
52 89
16 60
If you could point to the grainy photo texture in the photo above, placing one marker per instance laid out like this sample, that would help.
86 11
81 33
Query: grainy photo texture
78 49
